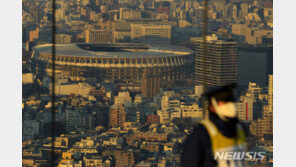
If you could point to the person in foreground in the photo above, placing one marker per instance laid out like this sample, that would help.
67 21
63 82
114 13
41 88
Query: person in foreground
215 139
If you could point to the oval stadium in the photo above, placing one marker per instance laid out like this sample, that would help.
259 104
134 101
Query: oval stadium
121 62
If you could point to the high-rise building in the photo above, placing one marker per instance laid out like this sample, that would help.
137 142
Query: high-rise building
71 120
245 111
150 84
98 36
221 62
117 116
264 127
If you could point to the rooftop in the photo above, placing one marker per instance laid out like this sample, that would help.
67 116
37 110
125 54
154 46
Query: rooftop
212 39
120 50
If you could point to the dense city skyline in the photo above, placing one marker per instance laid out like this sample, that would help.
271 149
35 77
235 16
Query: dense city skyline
129 78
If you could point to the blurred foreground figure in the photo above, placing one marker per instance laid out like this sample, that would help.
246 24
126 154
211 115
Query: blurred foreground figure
219 140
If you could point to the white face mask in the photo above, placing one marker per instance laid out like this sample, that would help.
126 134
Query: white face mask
224 111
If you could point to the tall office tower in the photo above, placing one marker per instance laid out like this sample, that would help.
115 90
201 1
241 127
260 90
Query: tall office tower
150 84
221 62
98 36
117 115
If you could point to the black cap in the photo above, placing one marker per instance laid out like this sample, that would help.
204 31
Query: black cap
224 93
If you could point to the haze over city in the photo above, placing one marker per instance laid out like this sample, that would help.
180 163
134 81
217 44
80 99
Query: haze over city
128 77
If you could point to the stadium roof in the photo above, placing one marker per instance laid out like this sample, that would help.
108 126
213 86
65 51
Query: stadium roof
119 50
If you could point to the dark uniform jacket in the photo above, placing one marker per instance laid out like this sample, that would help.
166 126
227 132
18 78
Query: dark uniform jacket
197 149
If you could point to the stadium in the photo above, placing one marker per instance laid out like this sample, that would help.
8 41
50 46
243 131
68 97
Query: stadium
116 62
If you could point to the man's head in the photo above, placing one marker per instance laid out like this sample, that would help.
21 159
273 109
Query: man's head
221 102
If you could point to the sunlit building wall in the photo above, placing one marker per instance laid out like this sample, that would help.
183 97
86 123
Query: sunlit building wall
221 62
